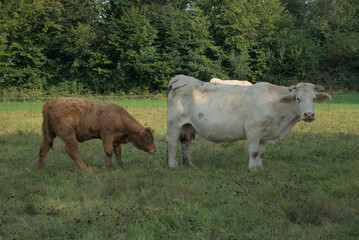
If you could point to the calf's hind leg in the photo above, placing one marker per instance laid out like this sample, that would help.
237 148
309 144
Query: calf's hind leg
73 151
45 146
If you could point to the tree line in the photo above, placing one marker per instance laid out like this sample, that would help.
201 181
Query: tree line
138 45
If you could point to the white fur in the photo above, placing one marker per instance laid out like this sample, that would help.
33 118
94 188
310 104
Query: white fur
231 82
262 113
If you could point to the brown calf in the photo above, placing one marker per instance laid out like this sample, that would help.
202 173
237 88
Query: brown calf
80 120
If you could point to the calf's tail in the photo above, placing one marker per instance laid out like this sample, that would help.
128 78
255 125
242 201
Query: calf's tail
47 134
47 140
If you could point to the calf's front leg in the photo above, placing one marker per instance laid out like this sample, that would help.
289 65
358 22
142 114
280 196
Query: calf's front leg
108 149
117 151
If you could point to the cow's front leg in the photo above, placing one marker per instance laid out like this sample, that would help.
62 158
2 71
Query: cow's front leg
255 160
117 151
108 149
262 149
172 138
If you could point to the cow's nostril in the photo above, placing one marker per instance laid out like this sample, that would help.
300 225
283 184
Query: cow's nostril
309 115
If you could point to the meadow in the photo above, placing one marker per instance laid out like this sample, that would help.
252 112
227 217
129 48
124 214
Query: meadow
308 187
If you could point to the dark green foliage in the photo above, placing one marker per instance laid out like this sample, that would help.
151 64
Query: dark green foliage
184 42
293 57
333 26
120 46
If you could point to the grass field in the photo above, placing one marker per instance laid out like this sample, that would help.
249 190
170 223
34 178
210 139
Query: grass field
308 188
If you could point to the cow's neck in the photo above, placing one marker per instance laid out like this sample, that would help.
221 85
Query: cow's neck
287 112
289 115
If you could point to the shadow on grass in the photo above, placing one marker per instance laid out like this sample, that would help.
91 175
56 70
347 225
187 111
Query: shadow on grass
296 147
21 151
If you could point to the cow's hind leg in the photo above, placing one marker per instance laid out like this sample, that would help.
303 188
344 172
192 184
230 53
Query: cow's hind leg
186 156
172 138
187 135
73 151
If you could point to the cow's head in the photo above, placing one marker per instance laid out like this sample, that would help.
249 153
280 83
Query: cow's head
303 96
145 140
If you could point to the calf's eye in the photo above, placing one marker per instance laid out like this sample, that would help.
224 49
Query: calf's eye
298 100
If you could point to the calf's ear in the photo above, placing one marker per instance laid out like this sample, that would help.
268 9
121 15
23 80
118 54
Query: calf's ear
322 97
147 130
288 98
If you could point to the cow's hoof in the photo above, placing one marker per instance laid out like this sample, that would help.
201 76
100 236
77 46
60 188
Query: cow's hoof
173 164
190 164
255 168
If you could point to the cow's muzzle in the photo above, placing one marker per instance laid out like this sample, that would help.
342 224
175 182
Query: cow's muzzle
309 117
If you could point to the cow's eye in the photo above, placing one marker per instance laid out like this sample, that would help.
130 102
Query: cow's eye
315 99
298 100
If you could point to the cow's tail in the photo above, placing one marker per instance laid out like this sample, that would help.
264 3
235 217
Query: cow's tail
173 81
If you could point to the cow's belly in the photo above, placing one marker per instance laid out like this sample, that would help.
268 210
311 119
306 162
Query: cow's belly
86 133
220 127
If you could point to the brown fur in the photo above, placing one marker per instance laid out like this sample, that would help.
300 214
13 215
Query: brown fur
80 120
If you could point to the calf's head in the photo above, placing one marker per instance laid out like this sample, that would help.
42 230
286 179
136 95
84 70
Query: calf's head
144 140
303 96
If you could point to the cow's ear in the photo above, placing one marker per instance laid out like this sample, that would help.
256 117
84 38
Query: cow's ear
318 88
288 98
293 87
322 97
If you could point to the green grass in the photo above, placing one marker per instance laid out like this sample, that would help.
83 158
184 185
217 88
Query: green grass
29 106
308 189
349 101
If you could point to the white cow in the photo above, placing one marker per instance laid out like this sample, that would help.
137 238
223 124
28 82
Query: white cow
262 113
231 82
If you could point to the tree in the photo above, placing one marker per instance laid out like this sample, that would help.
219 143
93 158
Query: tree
75 58
184 42
334 24
22 26
246 28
